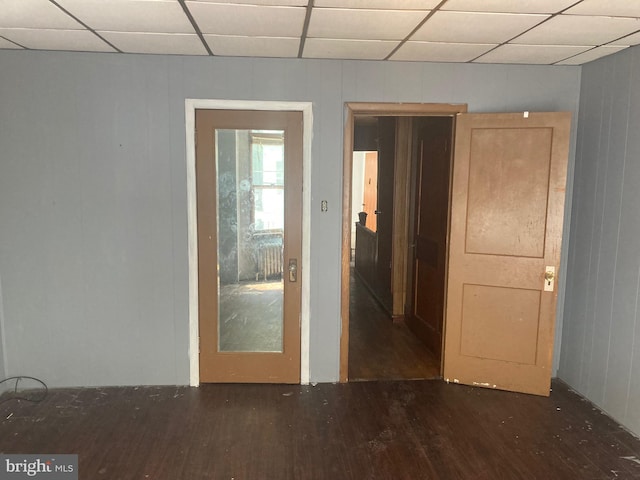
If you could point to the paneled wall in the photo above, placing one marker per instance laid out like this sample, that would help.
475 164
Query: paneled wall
93 196
601 336
3 370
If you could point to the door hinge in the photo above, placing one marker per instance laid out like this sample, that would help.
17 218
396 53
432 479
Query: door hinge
198 345
195 137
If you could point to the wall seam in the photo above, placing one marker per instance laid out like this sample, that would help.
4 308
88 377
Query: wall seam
633 347
601 150
615 257
566 252
635 316
584 384
3 336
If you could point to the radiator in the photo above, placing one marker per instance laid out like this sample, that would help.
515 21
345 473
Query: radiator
269 261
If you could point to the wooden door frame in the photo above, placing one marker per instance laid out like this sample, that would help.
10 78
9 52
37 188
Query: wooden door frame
371 109
191 104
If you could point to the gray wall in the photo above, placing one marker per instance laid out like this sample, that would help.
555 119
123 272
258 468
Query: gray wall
601 337
93 224
3 366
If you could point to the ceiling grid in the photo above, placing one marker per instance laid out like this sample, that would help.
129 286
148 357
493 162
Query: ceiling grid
547 32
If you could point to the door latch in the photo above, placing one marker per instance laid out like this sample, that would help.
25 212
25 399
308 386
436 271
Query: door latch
549 278
293 269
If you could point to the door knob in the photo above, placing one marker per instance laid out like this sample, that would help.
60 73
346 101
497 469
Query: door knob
549 278
293 269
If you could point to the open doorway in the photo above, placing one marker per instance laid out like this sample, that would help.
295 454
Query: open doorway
490 256
396 271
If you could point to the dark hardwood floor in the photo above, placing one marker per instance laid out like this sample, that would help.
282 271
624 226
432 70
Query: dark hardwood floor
362 430
380 349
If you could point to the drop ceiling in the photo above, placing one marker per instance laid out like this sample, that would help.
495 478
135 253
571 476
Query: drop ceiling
550 32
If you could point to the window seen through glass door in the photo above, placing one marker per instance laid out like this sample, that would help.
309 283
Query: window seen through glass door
267 154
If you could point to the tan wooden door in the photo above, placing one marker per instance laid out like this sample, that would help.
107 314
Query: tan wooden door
508 192
249 201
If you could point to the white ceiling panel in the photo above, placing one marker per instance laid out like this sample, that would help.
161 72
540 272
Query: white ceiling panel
234 46
7 44
633 39
461 27
248 20
440 52
272 3
579 30
347 49
157 43
608 8
379 4
159 16
531 54
34 14
80 40
508 6
363 24
591 55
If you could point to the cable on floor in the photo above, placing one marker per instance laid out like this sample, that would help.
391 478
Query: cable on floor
28 393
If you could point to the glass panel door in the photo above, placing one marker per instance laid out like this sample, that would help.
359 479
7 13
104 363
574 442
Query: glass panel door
250 218
249 214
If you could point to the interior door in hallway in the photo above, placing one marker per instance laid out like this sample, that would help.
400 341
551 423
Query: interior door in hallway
249 202
425 301
508 192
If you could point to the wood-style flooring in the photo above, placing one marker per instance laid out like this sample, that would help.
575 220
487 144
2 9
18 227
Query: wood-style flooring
380 349
362 430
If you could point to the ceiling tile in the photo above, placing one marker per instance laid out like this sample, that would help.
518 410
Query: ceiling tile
161 16
579 30
461 27
531 54
248 20
234 46
347 49
35 14
80 40
508 6
7 44
440 52
273 3
610 8
633 39
379 4
363 24
590 55
160 43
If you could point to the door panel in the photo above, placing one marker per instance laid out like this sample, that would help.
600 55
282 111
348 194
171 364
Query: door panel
507 208
426 302
508 192
384 209
249 194
483 314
